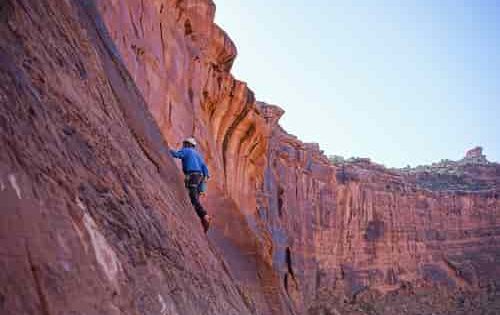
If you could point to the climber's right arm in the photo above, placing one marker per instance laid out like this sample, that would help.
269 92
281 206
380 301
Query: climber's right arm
177 154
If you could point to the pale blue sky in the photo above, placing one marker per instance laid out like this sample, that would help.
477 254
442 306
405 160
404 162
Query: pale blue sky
401 82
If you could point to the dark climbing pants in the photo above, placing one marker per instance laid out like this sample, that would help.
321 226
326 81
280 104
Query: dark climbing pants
193 182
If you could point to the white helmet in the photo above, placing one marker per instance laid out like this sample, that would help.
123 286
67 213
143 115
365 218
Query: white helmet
190 140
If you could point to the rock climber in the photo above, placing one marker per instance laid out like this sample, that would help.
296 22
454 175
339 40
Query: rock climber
196 174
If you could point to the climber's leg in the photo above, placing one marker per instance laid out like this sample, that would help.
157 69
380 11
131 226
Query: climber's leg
194 195
193 182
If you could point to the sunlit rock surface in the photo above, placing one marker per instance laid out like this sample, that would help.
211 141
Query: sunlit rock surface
93 216
95 219
357 232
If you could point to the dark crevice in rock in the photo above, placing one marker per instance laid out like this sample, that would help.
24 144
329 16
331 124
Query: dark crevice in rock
188 29
288 259
281 193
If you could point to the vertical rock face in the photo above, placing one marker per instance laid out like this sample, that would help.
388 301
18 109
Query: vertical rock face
95 219
348 230
181 61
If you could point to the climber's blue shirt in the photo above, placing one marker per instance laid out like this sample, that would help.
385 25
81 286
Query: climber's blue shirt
191 161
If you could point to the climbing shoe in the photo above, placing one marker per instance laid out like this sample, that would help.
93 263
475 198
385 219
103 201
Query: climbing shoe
205 221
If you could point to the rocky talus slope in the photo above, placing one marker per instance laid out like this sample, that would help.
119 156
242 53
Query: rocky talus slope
95 218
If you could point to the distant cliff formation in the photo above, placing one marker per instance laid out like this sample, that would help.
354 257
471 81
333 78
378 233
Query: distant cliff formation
388 241
96 219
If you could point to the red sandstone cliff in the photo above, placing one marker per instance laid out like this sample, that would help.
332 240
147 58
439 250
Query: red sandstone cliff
95 218
355 230
181 63
93 215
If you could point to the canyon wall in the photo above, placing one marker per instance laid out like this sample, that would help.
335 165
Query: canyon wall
343 230
181 62
96 220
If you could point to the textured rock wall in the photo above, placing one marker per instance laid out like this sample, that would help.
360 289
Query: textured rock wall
298 196
342 229
292 226
388 231
94 219
94 215
181 61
